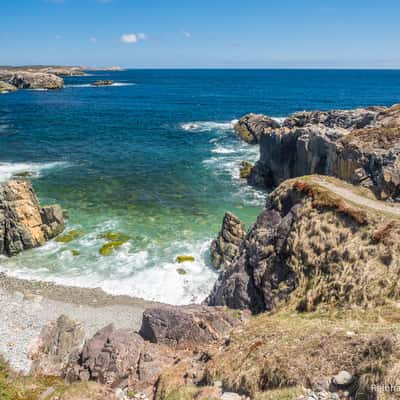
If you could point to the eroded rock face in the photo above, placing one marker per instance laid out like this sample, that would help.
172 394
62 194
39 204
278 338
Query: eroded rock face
6 87
24 224
187 326
226 246
311 247
32 80
251 126
360 146
51 352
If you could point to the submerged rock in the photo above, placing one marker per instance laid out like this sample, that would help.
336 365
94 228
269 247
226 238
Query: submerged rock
182 259
24 224
225 247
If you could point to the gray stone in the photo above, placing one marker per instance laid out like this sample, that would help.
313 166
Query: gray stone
343 378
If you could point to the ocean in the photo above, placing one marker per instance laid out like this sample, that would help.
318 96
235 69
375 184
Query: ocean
154 157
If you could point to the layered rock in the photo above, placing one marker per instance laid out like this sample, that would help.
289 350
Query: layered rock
310 246
6 87
251 126
24 224
360 146
31 80
187 326
51 352
225 247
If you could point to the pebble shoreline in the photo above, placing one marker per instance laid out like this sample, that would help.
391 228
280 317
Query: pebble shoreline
26 306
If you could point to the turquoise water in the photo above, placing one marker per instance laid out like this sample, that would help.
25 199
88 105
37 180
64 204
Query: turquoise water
155 158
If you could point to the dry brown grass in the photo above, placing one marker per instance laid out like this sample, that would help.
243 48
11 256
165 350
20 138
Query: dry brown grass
289 350
324 198
382 138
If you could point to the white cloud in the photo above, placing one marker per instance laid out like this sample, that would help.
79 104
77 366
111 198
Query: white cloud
133 37
93 39
129 38
186 34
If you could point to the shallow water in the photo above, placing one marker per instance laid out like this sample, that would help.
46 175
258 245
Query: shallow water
154 157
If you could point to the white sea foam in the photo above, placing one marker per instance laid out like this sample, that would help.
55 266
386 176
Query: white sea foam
280 120
149 273
207 126
7 170
84 85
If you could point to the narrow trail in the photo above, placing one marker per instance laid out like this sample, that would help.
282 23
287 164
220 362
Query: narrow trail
362 201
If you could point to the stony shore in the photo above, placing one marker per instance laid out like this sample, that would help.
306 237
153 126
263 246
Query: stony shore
27 306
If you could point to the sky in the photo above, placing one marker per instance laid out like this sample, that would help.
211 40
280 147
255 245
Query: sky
201 33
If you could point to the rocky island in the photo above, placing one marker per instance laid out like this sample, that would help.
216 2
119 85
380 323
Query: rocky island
306 305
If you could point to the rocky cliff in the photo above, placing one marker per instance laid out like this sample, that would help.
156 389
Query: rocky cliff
360 146
24 224
317 243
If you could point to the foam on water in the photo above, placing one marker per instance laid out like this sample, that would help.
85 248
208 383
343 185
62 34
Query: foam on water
85 85
7 170
207 126
149 273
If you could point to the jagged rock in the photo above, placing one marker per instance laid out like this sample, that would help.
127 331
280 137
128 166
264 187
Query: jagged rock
310 246
186 326
251 126
35 80
102 83
50 353
339 143
245 169
24 224
226 246
343 378
120 358
6 87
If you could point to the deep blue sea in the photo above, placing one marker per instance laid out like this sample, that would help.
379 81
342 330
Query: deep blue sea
154 157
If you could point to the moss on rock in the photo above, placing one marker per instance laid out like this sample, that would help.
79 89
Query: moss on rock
182 259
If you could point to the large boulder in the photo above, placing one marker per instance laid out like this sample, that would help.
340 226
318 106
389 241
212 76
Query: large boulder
51 351
360 146
251 126
36 80
187 326
226 246
24 224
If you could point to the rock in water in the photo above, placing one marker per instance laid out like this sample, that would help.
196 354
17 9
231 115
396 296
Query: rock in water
102 83
6 87
360 146
226 246
251 126
50 353
245 169
187 325
24 224
36 80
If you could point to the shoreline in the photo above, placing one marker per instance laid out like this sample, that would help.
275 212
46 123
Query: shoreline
27 306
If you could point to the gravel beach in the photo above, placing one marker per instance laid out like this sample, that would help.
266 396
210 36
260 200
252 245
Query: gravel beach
26 306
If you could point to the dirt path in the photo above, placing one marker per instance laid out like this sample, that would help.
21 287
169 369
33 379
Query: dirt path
362 201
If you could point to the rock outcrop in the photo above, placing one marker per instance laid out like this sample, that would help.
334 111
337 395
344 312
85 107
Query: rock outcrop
6 87
24 224
103 83
51 352
225 247
360 146
31 80
310 246
187 326
251 126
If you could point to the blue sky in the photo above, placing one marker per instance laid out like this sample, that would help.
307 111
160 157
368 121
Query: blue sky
202 33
